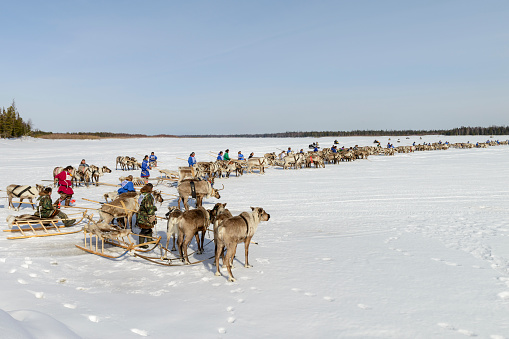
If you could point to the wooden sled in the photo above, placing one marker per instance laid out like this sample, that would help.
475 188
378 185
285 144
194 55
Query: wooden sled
120 246
42 228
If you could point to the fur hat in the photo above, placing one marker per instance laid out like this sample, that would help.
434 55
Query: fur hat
146 189
129 177
45 191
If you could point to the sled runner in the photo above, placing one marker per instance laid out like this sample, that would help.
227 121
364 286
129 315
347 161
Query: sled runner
175 261
42 227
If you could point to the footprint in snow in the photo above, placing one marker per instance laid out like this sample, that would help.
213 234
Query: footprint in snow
22 282
231 320
328 298
238 290
309 294
12 270
448 326
296 289
93 318
230 309
221 330
139 332
2 259
504 295
38 295
33 275
25 266
71 306
364 307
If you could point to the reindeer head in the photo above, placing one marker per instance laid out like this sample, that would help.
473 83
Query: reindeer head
262 215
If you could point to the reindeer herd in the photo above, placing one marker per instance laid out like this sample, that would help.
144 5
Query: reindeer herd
85 176
197 182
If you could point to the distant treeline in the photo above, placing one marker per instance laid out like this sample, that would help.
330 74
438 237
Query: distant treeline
95 135
493 130
11 124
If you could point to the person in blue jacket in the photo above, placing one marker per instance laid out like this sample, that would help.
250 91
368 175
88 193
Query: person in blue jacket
220 155
191 160
145 174
289 150
126 185
334 149
315 149
152 159
240 156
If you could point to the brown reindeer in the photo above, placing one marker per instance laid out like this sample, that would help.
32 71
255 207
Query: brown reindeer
189 224
235 230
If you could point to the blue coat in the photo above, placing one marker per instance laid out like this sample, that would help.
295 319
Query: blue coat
127 186
240 156
191 161
152 158
219 157
144 169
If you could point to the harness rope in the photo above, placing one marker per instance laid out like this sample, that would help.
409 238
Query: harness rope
247 224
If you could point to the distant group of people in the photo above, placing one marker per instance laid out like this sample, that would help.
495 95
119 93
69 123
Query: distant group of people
220 156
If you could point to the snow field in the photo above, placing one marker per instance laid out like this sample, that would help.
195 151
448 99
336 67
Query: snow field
413 245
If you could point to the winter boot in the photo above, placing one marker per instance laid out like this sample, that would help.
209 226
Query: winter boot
142 239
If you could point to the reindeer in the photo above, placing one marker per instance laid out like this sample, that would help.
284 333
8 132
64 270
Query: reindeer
22 192
98 172
235 230
189 224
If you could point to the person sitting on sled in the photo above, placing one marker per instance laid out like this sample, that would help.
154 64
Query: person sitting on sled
126 185
220 155
82 166
226 155
240 156
146 218
46 209
152 160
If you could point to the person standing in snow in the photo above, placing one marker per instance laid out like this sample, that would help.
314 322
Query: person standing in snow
191 160
65 185
145 174
146 217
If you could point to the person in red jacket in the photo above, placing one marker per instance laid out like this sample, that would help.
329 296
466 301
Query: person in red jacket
65 185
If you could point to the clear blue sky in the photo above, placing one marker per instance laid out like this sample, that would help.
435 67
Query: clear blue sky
214 67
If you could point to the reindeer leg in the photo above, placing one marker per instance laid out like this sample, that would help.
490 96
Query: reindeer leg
219 251
230 254
173 248
33 206
20 202
246 249
184 248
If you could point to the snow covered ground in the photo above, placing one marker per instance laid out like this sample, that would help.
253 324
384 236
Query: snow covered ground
408 246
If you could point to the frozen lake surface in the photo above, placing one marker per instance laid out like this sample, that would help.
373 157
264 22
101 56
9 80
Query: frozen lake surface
406 246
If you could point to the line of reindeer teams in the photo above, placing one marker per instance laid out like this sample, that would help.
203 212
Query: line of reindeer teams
146 215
